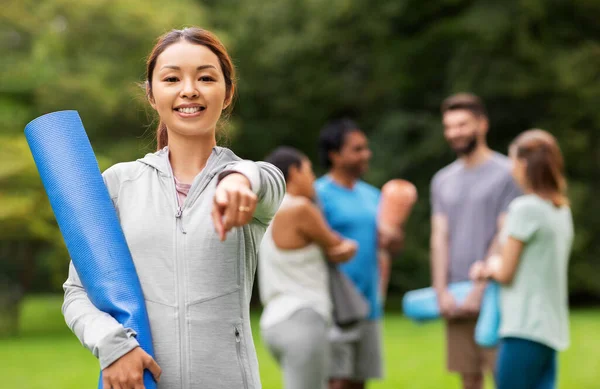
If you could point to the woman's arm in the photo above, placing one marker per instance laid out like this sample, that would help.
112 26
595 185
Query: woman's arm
503 268
270 192
313 226
99 332
247 191
522 222
121 360
266 182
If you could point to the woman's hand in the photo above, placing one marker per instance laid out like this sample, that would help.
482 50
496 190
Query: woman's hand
343 251
234 204
478 271
127 372
481 271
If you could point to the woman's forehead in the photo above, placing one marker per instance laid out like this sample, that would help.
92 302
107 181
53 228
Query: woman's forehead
186 55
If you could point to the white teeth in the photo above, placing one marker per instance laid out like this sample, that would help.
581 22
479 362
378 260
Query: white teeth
189 109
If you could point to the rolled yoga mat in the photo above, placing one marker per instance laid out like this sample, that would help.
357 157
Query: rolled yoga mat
421 305
88 222
488 323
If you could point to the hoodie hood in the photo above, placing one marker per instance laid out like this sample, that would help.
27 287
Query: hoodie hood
217 162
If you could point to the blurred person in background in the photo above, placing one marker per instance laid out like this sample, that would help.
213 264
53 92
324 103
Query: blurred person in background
293 277
469 200
350 206
532 266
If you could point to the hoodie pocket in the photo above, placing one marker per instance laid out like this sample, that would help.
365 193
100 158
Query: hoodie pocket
237 331
216 358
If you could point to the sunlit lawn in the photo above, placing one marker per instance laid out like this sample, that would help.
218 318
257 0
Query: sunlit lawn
48 356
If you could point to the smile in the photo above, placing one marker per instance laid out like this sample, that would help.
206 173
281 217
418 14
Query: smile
189 111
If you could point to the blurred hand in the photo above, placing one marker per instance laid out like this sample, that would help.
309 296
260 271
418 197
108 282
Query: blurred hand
447 304
234 204
127 372
472 304
391 239
481 271
478 271
343 251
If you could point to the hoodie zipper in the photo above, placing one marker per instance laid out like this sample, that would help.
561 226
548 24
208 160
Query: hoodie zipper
238 349
178 218
179 263
181 285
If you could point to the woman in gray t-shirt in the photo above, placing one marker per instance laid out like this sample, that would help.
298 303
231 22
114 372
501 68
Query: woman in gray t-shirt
536 244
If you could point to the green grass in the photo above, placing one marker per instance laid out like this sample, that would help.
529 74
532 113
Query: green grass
46 355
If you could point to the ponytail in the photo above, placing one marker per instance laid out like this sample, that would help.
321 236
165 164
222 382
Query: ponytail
545 164
162 137
544 172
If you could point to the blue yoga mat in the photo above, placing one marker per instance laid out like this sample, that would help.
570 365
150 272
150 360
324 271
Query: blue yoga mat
88 222
488 323
421 305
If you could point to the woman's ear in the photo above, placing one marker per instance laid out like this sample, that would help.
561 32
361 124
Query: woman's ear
228 98
292 172
149 95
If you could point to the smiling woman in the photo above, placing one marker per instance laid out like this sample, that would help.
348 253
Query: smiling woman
196 275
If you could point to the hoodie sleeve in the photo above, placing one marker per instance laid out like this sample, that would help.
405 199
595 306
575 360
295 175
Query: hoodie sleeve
266 181
98 331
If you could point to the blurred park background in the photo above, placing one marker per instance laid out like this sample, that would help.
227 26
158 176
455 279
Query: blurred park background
387 63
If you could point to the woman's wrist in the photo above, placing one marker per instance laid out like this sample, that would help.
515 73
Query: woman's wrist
493 266
236 177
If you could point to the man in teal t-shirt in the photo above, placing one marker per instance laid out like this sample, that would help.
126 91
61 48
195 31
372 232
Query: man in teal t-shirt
350 207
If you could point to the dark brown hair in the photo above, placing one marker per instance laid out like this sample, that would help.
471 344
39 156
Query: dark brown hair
467 101
545 165
284 157
197 36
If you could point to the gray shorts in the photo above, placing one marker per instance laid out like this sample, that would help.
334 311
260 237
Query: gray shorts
300 346
356 354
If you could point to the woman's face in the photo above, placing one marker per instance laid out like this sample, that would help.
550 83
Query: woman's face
303 178
188 89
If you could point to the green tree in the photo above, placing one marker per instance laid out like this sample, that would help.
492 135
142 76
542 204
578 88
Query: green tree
391 63
388 64
84 55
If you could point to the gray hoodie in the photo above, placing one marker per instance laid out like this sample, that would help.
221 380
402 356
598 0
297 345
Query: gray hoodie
197 289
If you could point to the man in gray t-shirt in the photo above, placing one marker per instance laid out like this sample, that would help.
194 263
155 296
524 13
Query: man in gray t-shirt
469 198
